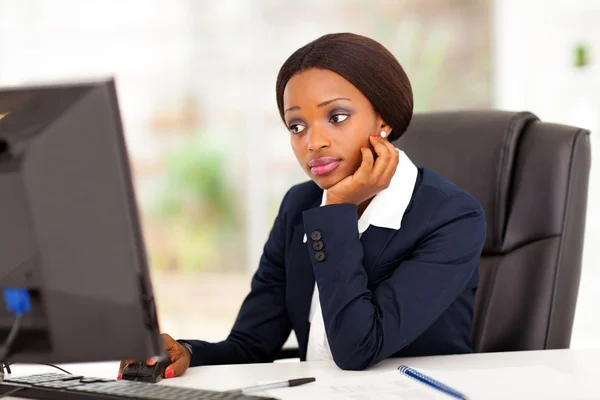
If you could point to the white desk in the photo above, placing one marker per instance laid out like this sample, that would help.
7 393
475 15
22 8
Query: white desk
582 364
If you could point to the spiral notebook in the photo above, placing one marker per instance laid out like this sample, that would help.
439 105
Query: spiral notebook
430 382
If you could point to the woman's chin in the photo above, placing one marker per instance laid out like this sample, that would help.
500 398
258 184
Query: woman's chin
327 181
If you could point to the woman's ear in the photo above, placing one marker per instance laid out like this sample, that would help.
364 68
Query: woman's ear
384 129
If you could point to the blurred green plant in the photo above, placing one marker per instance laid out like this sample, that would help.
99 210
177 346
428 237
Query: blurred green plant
581 56
194 219
195 184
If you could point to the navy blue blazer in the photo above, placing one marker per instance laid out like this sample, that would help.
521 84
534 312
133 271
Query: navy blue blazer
391 293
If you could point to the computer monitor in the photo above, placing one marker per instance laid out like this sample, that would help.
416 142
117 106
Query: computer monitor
69 228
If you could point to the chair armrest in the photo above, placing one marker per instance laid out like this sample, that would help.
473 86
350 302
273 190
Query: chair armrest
288 352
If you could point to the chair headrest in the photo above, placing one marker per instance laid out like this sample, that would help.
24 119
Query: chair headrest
476 150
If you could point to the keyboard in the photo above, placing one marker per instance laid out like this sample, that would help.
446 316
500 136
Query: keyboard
76 387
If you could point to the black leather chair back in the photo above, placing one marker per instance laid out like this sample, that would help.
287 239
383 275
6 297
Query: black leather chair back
532 180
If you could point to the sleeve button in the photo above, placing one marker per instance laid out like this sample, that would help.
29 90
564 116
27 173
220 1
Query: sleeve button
316 235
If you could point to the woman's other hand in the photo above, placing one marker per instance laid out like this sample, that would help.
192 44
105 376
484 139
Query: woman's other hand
179 356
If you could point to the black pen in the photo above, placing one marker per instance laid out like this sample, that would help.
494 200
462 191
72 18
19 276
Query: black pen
269 386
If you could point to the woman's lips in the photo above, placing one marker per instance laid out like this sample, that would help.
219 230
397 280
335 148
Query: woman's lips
324 165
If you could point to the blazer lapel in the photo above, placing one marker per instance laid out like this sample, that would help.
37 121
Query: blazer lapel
375 240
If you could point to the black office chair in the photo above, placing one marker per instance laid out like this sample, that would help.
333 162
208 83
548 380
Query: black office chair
532 180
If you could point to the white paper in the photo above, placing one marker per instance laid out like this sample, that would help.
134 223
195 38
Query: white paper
533 382
384 386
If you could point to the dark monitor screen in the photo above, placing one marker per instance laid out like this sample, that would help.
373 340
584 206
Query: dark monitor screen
69 228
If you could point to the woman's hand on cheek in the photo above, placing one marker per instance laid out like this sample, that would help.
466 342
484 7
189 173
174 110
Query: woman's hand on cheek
371 177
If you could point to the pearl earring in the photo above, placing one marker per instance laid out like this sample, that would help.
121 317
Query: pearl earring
383 134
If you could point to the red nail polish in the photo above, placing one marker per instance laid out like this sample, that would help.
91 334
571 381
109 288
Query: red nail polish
119 376
169 373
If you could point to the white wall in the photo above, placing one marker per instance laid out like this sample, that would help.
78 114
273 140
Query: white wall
533 49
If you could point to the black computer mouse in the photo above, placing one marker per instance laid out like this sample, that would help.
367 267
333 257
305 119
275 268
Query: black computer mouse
141 372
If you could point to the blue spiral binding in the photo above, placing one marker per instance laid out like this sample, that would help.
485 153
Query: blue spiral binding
411 373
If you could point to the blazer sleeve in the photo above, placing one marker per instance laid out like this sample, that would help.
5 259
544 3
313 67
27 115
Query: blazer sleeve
364 327
262 325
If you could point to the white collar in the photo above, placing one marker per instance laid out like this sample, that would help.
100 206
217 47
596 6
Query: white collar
387 208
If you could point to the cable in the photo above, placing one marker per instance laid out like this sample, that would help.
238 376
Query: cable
18 301
11 392
57 367
5 349
51 365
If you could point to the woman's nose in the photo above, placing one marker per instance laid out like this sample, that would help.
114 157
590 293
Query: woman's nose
317 140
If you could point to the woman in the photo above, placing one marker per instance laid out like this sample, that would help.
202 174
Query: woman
373 257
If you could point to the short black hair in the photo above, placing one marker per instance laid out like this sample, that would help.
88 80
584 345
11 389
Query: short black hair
366 64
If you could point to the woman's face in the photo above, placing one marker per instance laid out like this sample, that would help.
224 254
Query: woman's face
329 120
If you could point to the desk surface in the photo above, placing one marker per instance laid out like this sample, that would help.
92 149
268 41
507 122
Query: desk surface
581 364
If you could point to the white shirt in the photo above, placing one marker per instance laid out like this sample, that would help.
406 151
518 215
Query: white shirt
385 211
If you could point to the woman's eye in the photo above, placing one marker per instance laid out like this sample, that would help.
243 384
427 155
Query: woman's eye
295 129
337 118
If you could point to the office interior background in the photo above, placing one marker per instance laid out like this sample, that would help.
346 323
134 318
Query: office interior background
212 159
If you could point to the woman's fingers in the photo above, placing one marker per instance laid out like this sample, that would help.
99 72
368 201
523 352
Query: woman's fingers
366 166
382 162
179 356
120 373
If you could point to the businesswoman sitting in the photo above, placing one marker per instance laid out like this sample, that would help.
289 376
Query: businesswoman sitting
373 257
